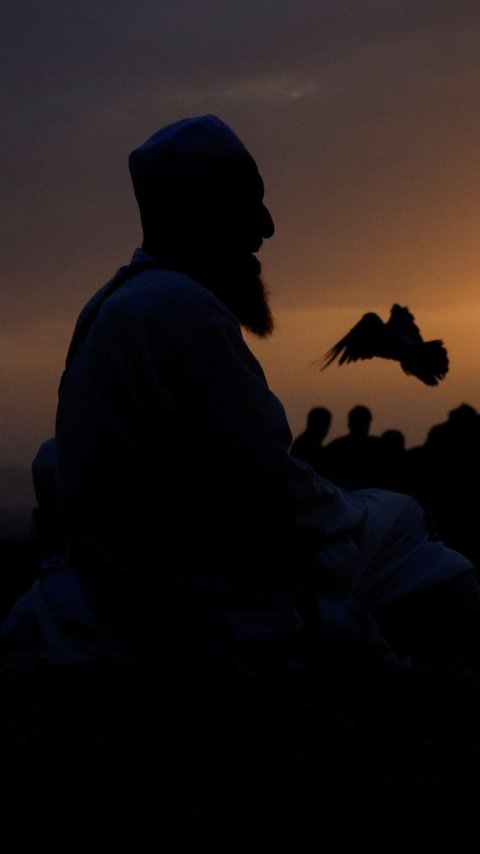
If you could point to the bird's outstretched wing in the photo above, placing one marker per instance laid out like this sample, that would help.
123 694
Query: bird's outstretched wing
360 343
398 339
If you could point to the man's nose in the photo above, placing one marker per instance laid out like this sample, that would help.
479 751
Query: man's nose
266 222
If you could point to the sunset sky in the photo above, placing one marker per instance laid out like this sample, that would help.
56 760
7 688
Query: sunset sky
364 119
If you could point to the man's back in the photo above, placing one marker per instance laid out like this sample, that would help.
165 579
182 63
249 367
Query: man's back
154 490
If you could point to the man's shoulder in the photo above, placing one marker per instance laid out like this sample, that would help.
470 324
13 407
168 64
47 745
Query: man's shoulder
147 303
163 297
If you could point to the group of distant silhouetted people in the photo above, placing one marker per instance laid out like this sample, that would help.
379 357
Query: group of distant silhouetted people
442 474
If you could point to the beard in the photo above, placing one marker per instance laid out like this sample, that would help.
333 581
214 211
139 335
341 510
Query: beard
239 285
233 276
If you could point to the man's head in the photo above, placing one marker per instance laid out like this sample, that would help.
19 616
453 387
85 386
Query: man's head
201 202
318 422
359 420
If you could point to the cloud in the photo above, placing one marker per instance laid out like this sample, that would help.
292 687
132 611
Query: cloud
272 89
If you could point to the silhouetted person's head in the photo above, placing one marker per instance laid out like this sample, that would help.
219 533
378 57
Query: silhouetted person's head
201 203
463 416
393 441
359 420
318 422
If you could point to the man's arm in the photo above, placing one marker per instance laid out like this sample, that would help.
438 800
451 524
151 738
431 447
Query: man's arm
221 388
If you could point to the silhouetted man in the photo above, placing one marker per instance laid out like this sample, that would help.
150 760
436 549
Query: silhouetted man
396 470
356 457
309 445
452 469
185 515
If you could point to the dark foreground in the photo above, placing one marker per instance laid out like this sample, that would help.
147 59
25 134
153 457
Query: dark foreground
165 755
99 755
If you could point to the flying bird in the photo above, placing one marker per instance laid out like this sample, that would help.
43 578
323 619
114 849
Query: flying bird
398 339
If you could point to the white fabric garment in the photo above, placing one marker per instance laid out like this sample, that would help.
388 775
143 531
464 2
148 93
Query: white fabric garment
176 481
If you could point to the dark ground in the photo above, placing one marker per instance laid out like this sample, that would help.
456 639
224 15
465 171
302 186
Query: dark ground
105 756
